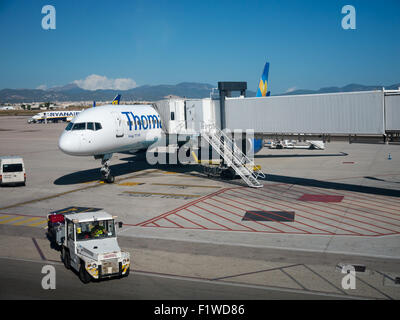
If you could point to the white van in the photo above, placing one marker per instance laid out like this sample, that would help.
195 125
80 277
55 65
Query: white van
12 170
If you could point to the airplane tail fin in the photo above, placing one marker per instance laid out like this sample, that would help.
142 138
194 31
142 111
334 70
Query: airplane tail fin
116 99
263 84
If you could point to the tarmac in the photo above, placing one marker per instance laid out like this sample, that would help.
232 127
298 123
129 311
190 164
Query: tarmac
317 210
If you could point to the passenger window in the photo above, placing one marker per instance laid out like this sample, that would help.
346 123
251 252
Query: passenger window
97 126
90 126
79 126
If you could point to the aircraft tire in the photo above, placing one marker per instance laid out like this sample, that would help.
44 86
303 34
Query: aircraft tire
110 179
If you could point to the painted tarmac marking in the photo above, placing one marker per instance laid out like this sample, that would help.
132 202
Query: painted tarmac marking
21 219
10 220
210 220
348 195
324 217
320 198
241 209
258 271
177 209
224 209
365 201
316 207
37 223
26 221
337 207
39 250
185 185
239 215
72 191
277 208
230 220
163 194
195 223
130 184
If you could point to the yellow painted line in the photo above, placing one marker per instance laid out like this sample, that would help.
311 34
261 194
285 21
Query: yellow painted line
184 185
75 190
130 184
68 210
10 220
3 217
27 220
212 161
164 194
195 157
37 223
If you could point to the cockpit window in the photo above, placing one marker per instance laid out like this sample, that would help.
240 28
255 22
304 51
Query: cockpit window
79 126
83 126
69 126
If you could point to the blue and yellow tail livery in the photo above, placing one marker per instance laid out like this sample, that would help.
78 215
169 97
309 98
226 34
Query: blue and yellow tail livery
262 90
116 99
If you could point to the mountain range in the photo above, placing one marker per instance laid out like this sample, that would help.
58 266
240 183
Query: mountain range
71 92
349 88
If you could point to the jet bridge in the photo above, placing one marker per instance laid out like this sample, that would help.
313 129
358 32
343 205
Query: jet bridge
368 116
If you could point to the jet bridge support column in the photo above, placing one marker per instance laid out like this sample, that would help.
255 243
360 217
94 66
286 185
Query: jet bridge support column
225 90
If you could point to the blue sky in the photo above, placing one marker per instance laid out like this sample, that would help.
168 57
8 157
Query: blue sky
167 42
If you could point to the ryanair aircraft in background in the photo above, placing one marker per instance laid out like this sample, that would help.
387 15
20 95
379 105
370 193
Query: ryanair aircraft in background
53 116
65 116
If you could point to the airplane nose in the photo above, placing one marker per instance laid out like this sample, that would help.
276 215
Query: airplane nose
69 144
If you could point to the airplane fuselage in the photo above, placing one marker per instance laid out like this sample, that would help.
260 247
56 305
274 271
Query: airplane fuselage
111 128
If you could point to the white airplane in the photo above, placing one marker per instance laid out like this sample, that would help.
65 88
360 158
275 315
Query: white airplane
53 116
104 130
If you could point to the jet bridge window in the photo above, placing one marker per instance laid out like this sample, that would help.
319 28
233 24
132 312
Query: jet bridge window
79 126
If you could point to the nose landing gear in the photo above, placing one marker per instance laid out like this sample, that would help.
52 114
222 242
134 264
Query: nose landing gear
105 168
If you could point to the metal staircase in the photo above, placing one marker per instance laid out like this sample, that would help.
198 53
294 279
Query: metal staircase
233 156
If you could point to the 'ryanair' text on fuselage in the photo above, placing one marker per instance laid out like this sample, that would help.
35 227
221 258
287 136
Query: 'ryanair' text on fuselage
62 114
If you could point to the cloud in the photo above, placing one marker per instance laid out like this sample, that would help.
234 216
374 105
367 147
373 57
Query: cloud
42 87
291 89
94 82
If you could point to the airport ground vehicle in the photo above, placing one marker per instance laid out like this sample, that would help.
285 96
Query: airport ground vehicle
12 170
292 144
88 243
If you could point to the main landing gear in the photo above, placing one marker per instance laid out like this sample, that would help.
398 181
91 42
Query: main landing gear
105 168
